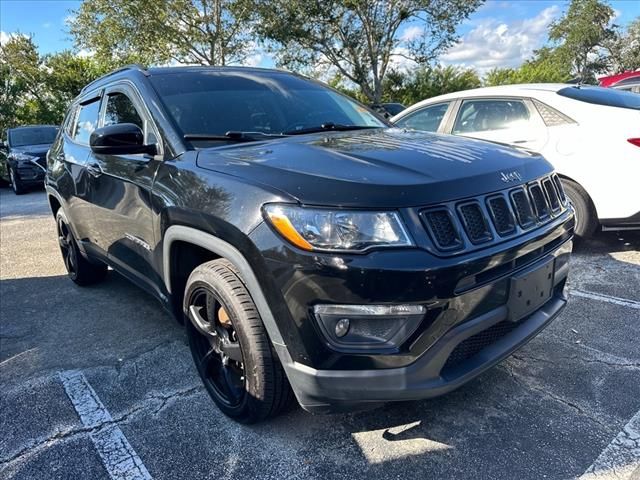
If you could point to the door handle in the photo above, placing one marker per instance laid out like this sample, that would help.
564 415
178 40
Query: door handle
94 169
520 141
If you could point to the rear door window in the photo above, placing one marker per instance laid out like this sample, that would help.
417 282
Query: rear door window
427 119
609 97
86 122
488 114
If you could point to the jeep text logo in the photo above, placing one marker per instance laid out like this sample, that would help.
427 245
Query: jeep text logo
507 177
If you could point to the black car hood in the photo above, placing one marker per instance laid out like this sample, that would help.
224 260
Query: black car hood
376 168
35 150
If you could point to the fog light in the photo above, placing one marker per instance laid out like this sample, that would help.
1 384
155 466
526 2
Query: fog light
342 327
378 328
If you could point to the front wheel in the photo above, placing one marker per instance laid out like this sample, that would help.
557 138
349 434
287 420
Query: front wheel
230 346
16 184
585 213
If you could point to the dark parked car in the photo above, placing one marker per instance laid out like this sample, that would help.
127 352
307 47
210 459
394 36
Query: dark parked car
23 156
309 248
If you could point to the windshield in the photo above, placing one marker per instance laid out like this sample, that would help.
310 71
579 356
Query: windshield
21 137
602 96
215 102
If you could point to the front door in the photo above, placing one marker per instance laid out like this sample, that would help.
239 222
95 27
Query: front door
121 190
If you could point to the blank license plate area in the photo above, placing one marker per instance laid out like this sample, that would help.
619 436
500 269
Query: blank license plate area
530 289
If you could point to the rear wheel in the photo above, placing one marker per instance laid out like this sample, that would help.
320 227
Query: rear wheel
16 184
230 346
79 269
585 213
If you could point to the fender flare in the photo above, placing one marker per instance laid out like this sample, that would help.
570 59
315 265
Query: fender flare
232 254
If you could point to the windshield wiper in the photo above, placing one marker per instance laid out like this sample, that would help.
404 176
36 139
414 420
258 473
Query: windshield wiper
328 126
233 136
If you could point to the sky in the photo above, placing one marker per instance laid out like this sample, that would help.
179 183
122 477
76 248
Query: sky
499 34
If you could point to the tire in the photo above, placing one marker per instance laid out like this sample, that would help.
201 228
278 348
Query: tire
16 184
80 270
233 354
586 217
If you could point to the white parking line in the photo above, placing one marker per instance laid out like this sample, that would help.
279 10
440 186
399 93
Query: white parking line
607 298
117 454
621 459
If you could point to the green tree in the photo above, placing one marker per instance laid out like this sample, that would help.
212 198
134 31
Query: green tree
581 35
24 99
205 32
545 67
625 48
359 38
427 82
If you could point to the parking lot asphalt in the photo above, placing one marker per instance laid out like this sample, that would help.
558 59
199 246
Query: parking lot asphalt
564 406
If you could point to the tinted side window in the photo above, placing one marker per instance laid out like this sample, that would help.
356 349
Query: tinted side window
120 109
86 122
427 119
483 115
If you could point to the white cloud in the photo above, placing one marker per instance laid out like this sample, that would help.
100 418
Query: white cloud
411 33
500 44
46 25
5 37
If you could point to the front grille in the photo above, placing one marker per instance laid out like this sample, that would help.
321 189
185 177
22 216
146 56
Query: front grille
441 226
473 345
539 202
474 223
523 209
552 196
501 215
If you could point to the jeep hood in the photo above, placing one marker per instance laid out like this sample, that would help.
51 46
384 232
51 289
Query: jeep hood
377 168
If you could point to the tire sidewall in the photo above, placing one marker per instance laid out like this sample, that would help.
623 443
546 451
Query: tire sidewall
585 222
253 364
61 218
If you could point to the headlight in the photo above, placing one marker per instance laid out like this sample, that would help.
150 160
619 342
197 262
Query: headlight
337 230
23 157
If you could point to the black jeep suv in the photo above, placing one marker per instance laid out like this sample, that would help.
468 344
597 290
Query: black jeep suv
23 156
309 248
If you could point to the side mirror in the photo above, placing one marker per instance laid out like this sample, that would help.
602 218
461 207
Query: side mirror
120 139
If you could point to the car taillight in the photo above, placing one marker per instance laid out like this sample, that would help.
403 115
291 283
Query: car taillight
634 141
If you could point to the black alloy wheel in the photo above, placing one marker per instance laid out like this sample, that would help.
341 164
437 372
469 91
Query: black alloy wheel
230 347
217 352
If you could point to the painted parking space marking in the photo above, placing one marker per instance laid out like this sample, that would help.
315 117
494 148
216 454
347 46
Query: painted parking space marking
606 298
118 456
621 459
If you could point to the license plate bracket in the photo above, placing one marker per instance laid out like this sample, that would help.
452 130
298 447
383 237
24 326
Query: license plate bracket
530 289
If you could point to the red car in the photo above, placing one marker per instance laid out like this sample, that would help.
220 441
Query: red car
623 81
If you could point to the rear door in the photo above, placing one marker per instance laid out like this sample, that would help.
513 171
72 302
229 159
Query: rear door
71 155
513 121
121 189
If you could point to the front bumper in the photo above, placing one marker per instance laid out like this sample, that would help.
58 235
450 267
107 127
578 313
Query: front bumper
467 298
325 391
29 173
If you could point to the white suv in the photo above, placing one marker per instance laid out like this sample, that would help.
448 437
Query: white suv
590 134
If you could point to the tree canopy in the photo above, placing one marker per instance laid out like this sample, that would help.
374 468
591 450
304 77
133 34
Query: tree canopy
360 39
204 32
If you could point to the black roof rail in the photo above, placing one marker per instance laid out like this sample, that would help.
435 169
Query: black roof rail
133 66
